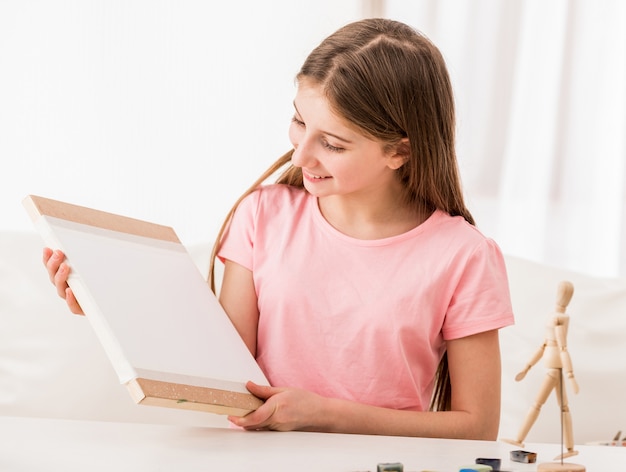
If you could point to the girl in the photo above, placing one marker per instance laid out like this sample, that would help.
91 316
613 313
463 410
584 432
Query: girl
358 280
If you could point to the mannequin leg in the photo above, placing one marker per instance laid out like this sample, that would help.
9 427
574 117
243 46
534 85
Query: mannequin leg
568 436
549 384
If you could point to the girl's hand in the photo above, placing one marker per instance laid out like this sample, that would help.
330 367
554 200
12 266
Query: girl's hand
285 409
58 271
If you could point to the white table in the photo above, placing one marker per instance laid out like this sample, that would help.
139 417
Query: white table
34 444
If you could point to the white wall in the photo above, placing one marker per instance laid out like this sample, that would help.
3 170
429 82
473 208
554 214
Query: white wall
541 114
167 110
160 110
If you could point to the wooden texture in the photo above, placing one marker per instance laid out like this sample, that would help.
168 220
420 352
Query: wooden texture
558 365
190 397
560 467
37 206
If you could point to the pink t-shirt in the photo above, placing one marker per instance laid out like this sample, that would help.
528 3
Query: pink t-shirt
362 320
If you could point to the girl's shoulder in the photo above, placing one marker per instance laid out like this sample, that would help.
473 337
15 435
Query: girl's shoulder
456 226
454 235
275 201
278 195
281 191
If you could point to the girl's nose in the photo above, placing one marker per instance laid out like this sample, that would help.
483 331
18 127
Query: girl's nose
302 155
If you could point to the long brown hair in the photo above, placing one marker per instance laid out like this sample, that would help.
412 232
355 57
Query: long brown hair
391 82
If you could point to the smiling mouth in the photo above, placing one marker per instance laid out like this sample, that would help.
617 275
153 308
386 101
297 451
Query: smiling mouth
310 176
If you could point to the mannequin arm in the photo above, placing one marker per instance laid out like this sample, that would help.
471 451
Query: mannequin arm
533 360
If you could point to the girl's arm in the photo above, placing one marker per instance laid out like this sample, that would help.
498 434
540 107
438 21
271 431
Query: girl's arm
238 298
474 364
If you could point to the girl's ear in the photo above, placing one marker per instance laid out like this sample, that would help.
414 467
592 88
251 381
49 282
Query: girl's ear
398 154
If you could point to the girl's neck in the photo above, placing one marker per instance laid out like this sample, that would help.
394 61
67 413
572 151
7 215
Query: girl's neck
371 218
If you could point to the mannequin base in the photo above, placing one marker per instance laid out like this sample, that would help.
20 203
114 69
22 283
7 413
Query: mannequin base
560 467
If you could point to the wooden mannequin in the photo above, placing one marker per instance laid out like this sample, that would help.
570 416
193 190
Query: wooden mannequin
558 363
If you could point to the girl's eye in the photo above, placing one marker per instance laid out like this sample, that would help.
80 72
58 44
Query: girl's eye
332 148
325 143
297 121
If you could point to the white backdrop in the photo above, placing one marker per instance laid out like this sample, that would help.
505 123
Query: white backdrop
541 101
167 110
160 110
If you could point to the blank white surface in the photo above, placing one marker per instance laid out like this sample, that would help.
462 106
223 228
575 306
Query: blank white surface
31 444
152 308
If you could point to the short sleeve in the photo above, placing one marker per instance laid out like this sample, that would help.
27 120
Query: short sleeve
238 242
481 299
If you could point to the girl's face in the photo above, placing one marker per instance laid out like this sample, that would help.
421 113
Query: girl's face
335 158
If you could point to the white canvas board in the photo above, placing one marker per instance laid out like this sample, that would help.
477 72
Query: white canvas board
151 307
